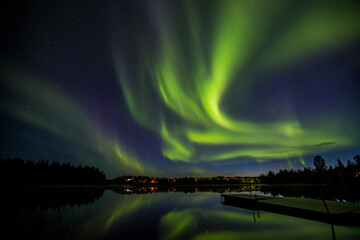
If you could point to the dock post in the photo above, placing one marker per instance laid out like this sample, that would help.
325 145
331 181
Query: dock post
332 225
256 205
327 210
326 207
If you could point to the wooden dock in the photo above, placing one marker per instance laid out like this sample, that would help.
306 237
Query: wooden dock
332 212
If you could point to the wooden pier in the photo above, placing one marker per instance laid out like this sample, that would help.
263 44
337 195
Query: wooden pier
333 212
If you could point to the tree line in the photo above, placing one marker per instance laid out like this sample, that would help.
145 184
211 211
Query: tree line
320 174
19 172
139 180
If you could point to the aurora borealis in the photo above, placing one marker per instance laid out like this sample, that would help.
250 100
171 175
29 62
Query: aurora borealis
175 88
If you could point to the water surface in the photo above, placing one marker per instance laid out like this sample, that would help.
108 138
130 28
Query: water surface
152 213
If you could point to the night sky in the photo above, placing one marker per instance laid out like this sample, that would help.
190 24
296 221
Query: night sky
180 88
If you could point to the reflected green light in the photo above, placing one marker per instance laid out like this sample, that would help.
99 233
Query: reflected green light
185 223
176 224
124 208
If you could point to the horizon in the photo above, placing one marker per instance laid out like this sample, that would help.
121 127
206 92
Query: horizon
185 176
185 88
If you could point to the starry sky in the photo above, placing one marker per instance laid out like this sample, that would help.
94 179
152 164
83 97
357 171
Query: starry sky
180 88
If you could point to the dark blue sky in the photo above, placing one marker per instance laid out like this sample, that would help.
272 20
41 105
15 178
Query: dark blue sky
174 88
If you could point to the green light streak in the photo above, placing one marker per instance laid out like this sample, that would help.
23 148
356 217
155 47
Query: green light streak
51 110
323 26
181 82
174 149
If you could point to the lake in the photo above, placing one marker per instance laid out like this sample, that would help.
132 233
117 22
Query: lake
160 213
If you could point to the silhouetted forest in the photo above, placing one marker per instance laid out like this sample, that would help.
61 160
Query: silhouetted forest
321 174
140 180
49 197
19 172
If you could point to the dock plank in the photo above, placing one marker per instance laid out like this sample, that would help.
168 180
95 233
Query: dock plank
339 212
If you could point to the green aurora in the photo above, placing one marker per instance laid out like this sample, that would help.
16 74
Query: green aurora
50 110
179 89
183 88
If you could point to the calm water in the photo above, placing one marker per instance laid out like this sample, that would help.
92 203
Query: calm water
150 213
